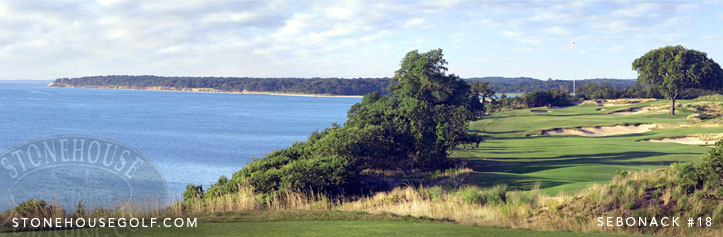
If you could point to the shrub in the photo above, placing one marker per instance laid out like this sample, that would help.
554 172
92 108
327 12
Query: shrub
192 192
622 173
708 175
36 208
713 98
330 175
593 90
552 97
707 116
436 193
491 196
712 167
517 198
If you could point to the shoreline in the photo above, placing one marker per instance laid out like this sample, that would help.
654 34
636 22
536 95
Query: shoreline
210 90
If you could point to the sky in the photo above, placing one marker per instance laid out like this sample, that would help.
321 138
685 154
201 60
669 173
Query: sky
44 40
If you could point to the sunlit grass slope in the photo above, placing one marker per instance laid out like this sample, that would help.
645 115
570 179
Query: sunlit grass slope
570 163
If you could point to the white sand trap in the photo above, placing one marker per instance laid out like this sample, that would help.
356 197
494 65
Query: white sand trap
640 110
614 102
591 102
619 102
601 131
634 110
700 140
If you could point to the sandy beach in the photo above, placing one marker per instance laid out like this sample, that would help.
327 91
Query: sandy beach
210 90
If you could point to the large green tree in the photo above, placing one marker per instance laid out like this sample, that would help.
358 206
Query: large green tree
425 113
412 128
673 69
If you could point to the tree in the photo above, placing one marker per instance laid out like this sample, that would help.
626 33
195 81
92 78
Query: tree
673 69
712 167
484 90
413 127
425 104
192 192
551 97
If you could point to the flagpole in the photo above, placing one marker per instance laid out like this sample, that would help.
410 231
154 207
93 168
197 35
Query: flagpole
573 68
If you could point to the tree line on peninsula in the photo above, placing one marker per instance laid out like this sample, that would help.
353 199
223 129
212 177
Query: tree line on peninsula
329 86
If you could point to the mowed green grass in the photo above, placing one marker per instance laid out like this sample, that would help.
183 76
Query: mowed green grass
571 163
310 228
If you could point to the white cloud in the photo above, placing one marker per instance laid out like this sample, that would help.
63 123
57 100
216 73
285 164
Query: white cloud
298 38
414 22
512 34
522 37
376 36
459 37
230 17
616 48
639 9
446 3
558 30
295 25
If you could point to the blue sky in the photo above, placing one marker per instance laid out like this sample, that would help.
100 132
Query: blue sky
48 40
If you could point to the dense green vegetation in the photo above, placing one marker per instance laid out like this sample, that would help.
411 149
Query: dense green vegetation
673 69
411 129
704 179
537 98
330 86
606 91
526 84
551 97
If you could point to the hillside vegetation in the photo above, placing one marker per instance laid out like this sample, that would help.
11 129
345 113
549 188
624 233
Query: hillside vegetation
412 128
326 86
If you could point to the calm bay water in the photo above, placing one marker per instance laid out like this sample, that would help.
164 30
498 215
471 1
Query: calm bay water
192 137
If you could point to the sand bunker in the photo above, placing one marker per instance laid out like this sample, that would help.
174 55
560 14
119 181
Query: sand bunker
600 131
700 139
615 102
640 110
619 102
591 102
539 111
634 110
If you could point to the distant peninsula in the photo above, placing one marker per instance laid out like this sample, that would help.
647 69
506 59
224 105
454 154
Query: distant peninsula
301 86
246 85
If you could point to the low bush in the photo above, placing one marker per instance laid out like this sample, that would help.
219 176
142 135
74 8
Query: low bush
491 196
34 208
711 98
552 97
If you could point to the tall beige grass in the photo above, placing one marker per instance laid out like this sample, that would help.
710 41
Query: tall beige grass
467 205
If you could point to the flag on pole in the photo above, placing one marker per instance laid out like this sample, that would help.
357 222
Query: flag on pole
574 92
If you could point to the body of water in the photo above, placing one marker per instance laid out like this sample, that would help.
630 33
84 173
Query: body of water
191 137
